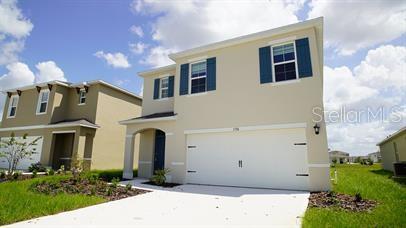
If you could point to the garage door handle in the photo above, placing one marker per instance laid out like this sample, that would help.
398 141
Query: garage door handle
240 163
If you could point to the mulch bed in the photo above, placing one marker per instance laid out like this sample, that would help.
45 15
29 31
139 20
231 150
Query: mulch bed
165 185
339 200
87 187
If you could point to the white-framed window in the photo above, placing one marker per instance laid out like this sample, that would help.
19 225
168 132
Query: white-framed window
164 87
12 107
43 99
82 97
284 62
198 77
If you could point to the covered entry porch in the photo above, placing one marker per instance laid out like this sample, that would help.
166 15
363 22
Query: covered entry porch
154 133
72 143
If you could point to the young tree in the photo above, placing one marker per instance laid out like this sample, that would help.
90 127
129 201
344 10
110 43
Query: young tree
15 150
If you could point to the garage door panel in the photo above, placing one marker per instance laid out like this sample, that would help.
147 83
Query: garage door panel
25 163
270 159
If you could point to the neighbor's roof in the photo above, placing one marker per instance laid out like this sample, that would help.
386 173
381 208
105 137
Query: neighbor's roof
389 137
71 85
313 23
77 122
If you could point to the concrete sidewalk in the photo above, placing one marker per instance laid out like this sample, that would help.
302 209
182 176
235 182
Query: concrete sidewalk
188 206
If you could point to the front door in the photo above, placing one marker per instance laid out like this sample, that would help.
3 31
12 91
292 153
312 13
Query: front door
159 155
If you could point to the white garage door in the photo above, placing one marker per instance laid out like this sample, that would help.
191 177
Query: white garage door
25 163
261 158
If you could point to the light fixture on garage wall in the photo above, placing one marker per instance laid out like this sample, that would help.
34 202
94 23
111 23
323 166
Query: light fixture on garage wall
316 128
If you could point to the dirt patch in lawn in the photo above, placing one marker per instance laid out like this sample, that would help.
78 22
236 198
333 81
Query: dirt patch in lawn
165 185
343 201
87 187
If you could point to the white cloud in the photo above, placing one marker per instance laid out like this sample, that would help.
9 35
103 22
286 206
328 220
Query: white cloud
138 48
184 24
137 30
158 56
49 71
19 74
141 93
116 60
14 28
9 51
12 21
377 84
354 25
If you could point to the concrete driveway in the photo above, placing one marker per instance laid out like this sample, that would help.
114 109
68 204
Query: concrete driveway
188 206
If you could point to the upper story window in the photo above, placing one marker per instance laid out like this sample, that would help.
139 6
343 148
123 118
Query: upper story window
284 62
43 102
198 77
82 97
164 90
12 108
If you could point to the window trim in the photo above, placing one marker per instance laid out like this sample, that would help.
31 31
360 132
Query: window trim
39 102
160 88
190 76
290 61
80 97
10 106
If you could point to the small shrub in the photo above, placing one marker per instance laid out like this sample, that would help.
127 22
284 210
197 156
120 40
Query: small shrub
160 176
16 175
370 162
37 167
61 170
2 174
34 174
358 197
114 182
334 161
109 191
50 172
128 187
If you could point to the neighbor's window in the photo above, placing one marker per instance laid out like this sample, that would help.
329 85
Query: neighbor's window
12 109
43 101
284 62
164 87
198 77
82 96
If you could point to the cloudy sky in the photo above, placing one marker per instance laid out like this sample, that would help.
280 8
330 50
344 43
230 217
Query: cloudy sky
364 61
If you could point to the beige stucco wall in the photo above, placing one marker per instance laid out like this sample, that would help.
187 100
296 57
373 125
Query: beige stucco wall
388 151
159 105
109 141
240 100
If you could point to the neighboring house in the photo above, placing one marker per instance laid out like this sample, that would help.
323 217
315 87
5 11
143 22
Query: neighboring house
375 157
237 113
393 149
339 156
73 120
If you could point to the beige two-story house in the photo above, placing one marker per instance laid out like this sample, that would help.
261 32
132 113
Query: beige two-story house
73 121
239 112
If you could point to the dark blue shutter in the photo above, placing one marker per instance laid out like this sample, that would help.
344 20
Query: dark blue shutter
156 88
211 74
265 65
184 79
304 62
171 81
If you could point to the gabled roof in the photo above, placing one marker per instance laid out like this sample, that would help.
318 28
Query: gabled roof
313 23
389 137
317 23
71 85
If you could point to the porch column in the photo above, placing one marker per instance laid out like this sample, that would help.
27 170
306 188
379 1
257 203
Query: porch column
129 157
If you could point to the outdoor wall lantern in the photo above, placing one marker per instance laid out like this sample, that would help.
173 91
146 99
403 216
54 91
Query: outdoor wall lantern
316 128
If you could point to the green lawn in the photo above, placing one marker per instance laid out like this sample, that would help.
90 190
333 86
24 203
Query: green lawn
373 183
18 203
